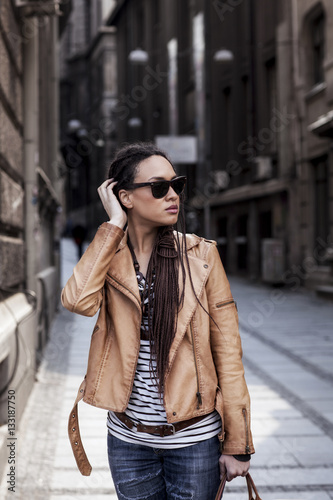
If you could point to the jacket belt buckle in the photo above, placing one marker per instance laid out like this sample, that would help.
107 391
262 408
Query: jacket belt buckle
170 428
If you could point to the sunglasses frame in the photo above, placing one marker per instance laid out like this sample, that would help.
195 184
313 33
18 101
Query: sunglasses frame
152 183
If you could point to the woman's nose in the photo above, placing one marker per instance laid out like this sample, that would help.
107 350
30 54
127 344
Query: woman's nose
171 193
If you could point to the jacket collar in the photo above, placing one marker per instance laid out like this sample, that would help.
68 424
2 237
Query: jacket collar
191 240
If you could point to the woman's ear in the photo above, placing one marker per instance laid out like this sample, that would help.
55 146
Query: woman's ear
125 198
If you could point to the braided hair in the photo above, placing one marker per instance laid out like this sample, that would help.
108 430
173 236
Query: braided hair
166 261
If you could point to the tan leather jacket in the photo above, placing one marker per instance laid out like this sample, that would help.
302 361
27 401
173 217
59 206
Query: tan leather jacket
205 367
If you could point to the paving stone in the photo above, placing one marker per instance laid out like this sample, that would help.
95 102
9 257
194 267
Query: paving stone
277 407
272 452
292 479
72 481
313 495
310 450
78 496
285 427
324 405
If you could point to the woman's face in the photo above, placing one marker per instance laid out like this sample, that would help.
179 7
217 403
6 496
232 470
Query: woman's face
146 209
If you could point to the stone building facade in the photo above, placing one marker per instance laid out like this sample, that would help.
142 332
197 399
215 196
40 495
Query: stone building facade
313 23
251 81
30 194
88 88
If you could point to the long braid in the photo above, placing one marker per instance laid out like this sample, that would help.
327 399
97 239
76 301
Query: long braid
163 309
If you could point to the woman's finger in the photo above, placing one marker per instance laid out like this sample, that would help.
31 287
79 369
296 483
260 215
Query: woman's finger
223 469
106 184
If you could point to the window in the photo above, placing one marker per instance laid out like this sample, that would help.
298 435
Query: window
87 21
246 111
318 48
222 239
227 125
271 92
321 202
185 24
99 14
140 25
265 224
69 39
156 13
241 241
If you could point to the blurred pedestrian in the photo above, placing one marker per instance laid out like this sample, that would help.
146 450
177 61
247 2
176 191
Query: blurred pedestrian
79 235
165 356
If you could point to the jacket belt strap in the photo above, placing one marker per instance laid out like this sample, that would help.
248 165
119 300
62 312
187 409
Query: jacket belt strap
160 430
75 438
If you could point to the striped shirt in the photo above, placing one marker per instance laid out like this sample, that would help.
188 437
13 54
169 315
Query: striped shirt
145 405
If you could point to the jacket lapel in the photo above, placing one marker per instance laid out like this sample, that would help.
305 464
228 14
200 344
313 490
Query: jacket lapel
121 272
199 272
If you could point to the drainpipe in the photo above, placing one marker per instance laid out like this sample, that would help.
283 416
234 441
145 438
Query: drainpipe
296 141
297 86
54 104
57 183
30 154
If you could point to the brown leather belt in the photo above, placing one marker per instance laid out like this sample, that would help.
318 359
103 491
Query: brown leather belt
160 430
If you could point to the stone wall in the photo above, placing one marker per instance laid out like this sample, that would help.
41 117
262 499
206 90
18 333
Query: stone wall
12 269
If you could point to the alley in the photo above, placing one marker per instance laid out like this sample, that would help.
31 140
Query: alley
288 346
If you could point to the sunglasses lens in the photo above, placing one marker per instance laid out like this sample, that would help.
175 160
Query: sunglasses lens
160 189
178 185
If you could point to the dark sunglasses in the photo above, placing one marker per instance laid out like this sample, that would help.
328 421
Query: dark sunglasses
160 188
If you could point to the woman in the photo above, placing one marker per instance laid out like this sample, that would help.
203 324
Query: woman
165 355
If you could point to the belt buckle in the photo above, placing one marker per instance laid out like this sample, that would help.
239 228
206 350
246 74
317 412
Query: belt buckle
173 430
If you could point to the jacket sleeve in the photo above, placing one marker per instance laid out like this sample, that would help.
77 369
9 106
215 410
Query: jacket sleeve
82 293
227 354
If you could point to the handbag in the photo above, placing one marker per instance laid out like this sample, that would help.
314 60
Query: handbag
251 487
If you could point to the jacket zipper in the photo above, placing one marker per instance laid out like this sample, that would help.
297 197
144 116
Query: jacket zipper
221 304
196 370
247 447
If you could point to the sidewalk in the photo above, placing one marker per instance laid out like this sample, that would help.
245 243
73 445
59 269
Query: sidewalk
288 345
46 468
287 341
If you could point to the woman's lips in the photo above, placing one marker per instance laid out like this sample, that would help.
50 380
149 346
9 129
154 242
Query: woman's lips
172 210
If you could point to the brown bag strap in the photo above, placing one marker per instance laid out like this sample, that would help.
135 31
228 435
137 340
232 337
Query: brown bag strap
74 435
251 488
221 487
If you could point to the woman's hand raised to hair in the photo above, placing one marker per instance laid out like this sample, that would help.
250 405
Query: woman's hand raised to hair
110 203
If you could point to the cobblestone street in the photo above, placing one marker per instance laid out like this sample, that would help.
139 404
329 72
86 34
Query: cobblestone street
287 341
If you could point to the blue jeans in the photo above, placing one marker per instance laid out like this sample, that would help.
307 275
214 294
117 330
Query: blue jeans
145 473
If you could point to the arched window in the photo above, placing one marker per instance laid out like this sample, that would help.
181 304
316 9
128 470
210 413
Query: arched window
314 41
318 47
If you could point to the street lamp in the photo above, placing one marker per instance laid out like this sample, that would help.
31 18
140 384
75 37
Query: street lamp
73 126
223 55
100 143
82 133
138 56
134 122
